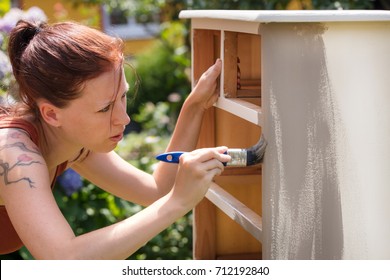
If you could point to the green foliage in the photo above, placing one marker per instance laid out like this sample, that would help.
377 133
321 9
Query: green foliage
4 7
162 70
169 9
342 4
158 119
174 243
92 208
140 149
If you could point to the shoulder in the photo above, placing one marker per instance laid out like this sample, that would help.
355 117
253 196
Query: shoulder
16 140
20 158
23 124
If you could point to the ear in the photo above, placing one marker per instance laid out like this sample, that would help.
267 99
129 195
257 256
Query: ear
50 113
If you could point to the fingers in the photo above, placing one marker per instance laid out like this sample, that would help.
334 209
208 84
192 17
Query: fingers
204 93
208 160
215 69
207 154
212 173
196 171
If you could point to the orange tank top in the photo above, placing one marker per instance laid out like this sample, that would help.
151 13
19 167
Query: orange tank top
9 239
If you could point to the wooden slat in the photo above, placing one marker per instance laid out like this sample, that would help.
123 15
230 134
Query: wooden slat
231 25
236 210
241 108
242 171
204 213
248 92
204 231
251 82
249 52
205 51
248 256
230 65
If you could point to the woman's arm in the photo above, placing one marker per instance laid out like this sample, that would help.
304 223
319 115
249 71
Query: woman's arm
113 174
186 133
36 217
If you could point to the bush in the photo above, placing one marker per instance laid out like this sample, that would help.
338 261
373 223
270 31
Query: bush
162 70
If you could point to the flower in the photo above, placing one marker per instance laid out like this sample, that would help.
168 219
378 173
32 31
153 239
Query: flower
35 14
5 66
7 23
70 181
10 19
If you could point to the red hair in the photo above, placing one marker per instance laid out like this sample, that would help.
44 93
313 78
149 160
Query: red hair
53 62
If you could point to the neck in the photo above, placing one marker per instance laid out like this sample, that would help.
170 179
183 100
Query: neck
54 146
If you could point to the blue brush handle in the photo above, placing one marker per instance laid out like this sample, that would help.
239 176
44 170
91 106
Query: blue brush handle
173 157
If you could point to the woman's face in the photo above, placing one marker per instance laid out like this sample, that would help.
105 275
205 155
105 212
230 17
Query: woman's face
97 119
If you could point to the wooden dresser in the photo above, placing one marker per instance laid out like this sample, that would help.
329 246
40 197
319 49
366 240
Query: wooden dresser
315 84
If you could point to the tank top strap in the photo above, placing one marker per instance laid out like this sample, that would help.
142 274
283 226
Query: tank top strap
11 122
60 169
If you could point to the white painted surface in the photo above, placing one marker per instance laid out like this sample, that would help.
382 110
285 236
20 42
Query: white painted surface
358 65
326 180
288 16
243 109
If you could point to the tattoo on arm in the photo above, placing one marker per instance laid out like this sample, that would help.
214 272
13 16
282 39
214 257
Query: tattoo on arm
23 160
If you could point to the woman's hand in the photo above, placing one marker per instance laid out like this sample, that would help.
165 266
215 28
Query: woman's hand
204 93
196 171
187 130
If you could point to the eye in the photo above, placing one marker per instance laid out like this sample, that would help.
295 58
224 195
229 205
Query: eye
105 109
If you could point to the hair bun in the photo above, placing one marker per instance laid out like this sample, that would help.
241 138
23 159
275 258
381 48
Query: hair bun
20 37
29 30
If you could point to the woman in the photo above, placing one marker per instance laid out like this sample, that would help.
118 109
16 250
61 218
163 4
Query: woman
71 114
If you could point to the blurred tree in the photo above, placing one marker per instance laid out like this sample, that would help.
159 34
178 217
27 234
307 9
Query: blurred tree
169 9
4 7
382 4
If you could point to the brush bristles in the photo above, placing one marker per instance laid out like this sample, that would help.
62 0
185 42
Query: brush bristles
255 153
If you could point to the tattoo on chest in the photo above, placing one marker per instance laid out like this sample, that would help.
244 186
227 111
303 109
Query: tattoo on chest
24 159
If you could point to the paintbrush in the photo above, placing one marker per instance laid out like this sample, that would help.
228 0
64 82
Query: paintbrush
239 157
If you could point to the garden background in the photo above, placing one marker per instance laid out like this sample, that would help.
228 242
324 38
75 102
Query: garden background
159 79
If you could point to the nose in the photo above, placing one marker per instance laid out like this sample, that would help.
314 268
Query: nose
120 116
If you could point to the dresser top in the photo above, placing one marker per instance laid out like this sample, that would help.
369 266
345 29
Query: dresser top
267 16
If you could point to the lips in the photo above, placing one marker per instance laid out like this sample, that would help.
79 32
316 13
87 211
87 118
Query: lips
117 138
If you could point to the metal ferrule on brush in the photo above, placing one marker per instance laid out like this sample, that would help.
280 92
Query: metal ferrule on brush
238 157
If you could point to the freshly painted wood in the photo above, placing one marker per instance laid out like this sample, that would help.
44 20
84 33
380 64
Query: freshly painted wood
236 210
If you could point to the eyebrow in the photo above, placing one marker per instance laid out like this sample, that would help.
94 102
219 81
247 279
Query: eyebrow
110 102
